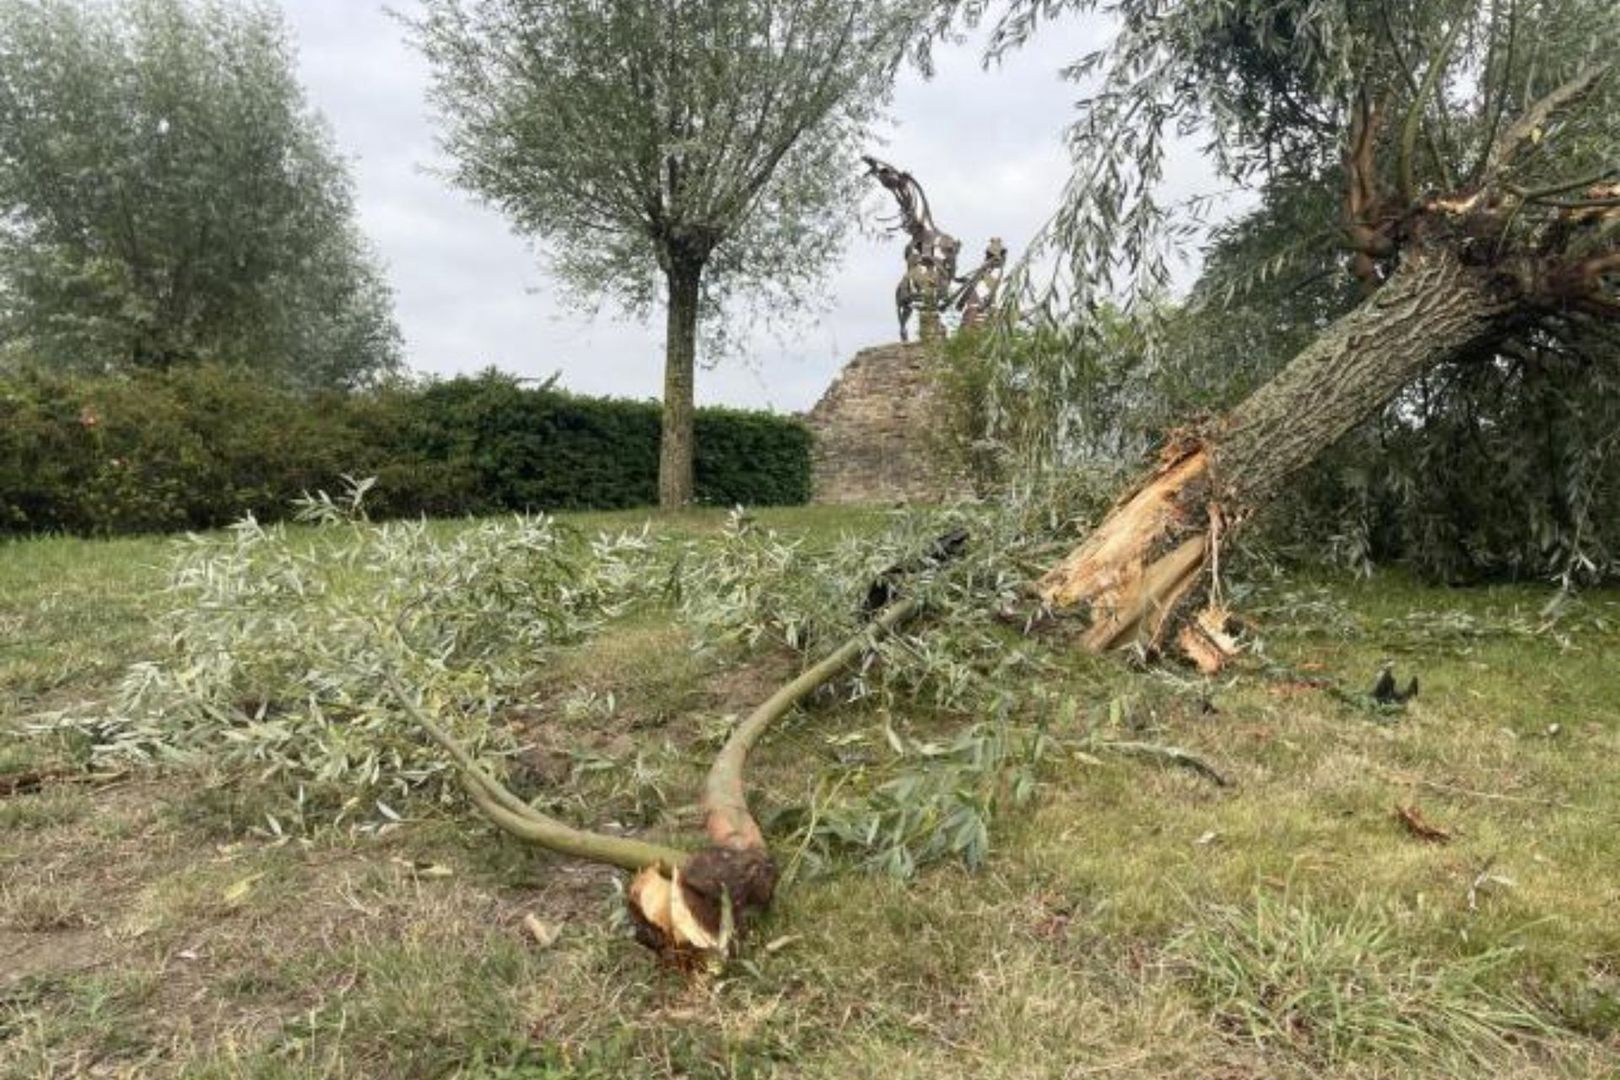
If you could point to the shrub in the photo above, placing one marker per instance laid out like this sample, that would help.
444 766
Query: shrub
751 458
197 447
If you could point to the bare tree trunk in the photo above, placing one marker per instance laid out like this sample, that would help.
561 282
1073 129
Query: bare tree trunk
1141 570
680 357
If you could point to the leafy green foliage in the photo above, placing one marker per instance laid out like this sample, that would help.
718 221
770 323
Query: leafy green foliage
748 458
193 447
1020 403
280 648
933 798
199 446
721 133
1267 85
540 448
169 196
1499 469
753 588
934 801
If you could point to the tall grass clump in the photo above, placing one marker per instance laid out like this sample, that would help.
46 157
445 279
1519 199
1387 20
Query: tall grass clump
1332 987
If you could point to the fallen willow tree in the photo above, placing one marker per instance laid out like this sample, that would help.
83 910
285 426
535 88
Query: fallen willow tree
1457 291
1473 224
685 903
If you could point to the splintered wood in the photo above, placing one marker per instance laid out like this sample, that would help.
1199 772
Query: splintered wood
1130 582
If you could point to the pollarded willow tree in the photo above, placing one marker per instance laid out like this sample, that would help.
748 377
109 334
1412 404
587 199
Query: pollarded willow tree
688 150
1475 151
168 195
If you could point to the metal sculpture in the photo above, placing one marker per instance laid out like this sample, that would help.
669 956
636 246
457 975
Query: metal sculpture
981 285
931 252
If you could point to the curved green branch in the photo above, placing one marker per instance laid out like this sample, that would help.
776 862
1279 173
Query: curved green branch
725 803
512 815
1414 115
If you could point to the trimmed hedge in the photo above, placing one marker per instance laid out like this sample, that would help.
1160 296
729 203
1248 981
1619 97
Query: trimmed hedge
199 447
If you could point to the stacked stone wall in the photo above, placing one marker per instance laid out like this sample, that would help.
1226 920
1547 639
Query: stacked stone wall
877 431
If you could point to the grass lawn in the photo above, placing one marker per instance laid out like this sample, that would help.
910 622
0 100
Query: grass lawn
1134 921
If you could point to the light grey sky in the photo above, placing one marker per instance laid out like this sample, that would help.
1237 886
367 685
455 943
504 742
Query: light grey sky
469 293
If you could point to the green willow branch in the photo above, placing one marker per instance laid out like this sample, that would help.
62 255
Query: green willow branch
725 804
727 820
1170 755
1418 95
1500 105
1540 194
517 817
1580 204
1414 117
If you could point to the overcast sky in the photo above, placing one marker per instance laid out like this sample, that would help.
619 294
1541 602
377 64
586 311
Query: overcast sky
469 293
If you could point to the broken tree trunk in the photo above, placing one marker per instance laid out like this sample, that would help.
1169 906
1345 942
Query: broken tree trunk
1450 279
1141 571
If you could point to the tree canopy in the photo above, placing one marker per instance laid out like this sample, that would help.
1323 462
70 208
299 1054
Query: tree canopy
1274 90
168 195
675 150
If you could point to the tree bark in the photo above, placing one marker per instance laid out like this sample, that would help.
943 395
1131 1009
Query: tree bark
1434 308
1139 572
680 360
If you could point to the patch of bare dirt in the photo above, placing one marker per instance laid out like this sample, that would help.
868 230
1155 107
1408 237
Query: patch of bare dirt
26 956
740 687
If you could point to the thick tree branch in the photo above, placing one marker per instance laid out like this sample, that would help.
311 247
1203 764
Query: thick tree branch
1535 118
683 902
510 813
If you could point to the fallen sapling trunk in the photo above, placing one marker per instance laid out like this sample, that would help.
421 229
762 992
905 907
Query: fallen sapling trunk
685 903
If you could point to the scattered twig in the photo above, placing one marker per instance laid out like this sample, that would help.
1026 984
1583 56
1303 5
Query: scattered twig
1482 879
1172 755
1479 879
26 783
1563 187
544 934
1496 796
1415 823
